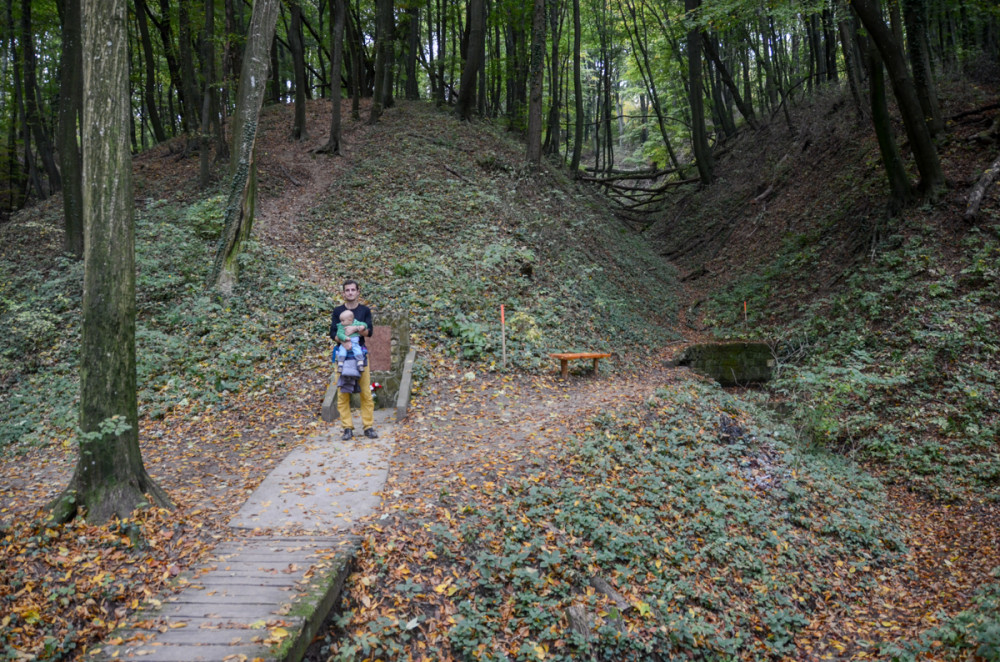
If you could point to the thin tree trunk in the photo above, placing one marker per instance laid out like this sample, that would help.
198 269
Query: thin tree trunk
336 64
745 110
207 104
192 97
699 137
149 85
900 190
32 104
473 62
243 169
924 151
110 478
299 66
536 71
413 46
70 116
915 18
164 27
577 91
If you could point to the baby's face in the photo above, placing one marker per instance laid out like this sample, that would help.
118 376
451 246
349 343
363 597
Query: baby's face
347 318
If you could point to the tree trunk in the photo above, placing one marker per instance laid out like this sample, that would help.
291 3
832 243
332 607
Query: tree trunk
536 70
383 58
473 62
299 66
336 64
900 191
164 27
577 91
192 97
846 26
150 62
110 478
208 105
413 46
924 151
915 18
745 110
551 144
70 112
32 105
699 137
238 219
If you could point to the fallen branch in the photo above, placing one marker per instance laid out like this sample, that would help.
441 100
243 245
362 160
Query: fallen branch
975 111
287 174
979 190
763 196
459 175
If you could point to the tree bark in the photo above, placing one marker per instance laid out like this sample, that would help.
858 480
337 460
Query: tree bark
915 19
150 62
745 110
383 57
336 64
577 91
170 54
699 137
900 190
536 70
473 62
192 96
208 105
110 478
921 142
70 115
238 219
32 105
413 45
299 67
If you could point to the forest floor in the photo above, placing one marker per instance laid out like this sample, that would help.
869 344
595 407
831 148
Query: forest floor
469 437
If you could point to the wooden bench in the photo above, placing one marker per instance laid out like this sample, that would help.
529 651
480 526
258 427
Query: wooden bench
565 358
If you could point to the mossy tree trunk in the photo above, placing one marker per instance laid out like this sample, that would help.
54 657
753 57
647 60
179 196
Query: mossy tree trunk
110 479
238 219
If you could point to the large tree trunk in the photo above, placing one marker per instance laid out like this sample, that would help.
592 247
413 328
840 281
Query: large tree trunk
924 151
699 137
32 105
299 67
238 220
70 111
336 64
110 479
577 92
551 144
473 62
536 69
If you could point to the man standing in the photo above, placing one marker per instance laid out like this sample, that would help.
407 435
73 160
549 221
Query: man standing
362 313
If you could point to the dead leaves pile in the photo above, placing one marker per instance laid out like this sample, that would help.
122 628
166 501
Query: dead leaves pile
64 587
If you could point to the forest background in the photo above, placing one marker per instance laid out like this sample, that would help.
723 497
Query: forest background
699 121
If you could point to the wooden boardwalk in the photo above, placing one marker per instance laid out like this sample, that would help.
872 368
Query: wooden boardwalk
267 590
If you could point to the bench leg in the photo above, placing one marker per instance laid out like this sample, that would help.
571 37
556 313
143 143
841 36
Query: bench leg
595 365
564 365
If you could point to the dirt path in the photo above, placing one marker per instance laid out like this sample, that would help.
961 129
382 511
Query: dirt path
298 180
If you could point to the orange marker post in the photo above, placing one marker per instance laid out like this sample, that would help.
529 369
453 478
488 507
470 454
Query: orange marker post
503 339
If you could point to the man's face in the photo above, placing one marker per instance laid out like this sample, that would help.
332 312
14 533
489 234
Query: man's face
350 292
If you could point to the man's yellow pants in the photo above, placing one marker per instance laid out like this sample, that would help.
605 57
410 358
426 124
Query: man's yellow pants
367 403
